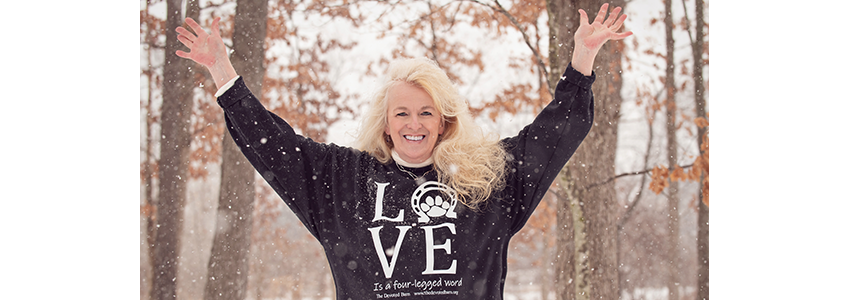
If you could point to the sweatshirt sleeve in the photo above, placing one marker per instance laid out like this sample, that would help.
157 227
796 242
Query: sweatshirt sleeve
543 147
299 169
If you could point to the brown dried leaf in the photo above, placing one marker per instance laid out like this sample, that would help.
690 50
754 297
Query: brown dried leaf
678 174
701 122
659 179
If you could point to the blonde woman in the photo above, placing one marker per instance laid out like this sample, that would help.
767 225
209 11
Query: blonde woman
426 204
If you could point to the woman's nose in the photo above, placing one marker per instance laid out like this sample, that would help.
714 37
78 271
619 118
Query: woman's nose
414 123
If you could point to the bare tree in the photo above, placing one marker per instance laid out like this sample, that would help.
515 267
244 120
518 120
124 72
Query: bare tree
174 158
152 30
672 157
588 213
227 275
702 219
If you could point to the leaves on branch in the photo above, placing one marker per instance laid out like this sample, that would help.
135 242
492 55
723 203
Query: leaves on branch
661 176
659 179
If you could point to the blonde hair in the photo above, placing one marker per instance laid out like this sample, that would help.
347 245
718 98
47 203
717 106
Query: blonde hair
465 158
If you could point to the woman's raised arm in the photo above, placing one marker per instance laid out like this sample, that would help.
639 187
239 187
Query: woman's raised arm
207 50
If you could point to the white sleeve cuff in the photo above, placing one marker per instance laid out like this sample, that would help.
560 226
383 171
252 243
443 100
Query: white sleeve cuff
226 87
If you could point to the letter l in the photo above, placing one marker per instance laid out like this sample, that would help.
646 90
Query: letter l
379 205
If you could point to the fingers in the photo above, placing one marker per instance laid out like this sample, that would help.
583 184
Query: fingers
182 54
183 33
195 27
618 24
215 30
186 41
186 37
620 36
582 17
614 20
612 17
600 16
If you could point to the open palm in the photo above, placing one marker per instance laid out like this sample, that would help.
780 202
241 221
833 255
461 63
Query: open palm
593 36
204 48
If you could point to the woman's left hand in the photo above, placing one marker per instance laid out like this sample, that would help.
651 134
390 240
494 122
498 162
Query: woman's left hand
589 38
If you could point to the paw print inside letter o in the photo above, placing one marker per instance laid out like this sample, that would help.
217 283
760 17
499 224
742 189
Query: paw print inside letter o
433 205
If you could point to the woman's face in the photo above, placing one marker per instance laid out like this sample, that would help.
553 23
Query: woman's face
413 122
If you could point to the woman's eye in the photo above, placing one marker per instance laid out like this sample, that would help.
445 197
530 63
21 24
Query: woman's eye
401 114
426 113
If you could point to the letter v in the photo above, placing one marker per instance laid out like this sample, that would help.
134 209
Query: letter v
379 248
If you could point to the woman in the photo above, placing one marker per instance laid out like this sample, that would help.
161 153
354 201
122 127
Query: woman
427 203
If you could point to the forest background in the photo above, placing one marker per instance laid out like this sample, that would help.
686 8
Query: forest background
781 215
314 62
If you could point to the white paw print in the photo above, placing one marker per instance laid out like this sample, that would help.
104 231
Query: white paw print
435 207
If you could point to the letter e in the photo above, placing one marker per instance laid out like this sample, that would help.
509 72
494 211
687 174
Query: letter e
430 248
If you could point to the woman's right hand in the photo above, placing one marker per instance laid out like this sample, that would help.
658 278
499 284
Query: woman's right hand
207 50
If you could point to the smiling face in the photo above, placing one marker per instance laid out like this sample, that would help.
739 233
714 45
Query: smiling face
413 122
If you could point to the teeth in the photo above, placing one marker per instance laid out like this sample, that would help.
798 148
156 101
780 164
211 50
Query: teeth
414 137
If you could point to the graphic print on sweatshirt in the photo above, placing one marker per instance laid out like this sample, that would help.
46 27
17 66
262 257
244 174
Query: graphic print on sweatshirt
432 226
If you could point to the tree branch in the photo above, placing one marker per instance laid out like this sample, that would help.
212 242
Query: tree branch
688 23
628 214
540 64
631 174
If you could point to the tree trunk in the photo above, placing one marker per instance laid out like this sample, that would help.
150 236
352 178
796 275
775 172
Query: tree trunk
592 212
174 157
564 242
672 159
149 204
227 274
560 40
702 218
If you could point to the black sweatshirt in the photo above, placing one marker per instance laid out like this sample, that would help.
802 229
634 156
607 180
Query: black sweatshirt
386 235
